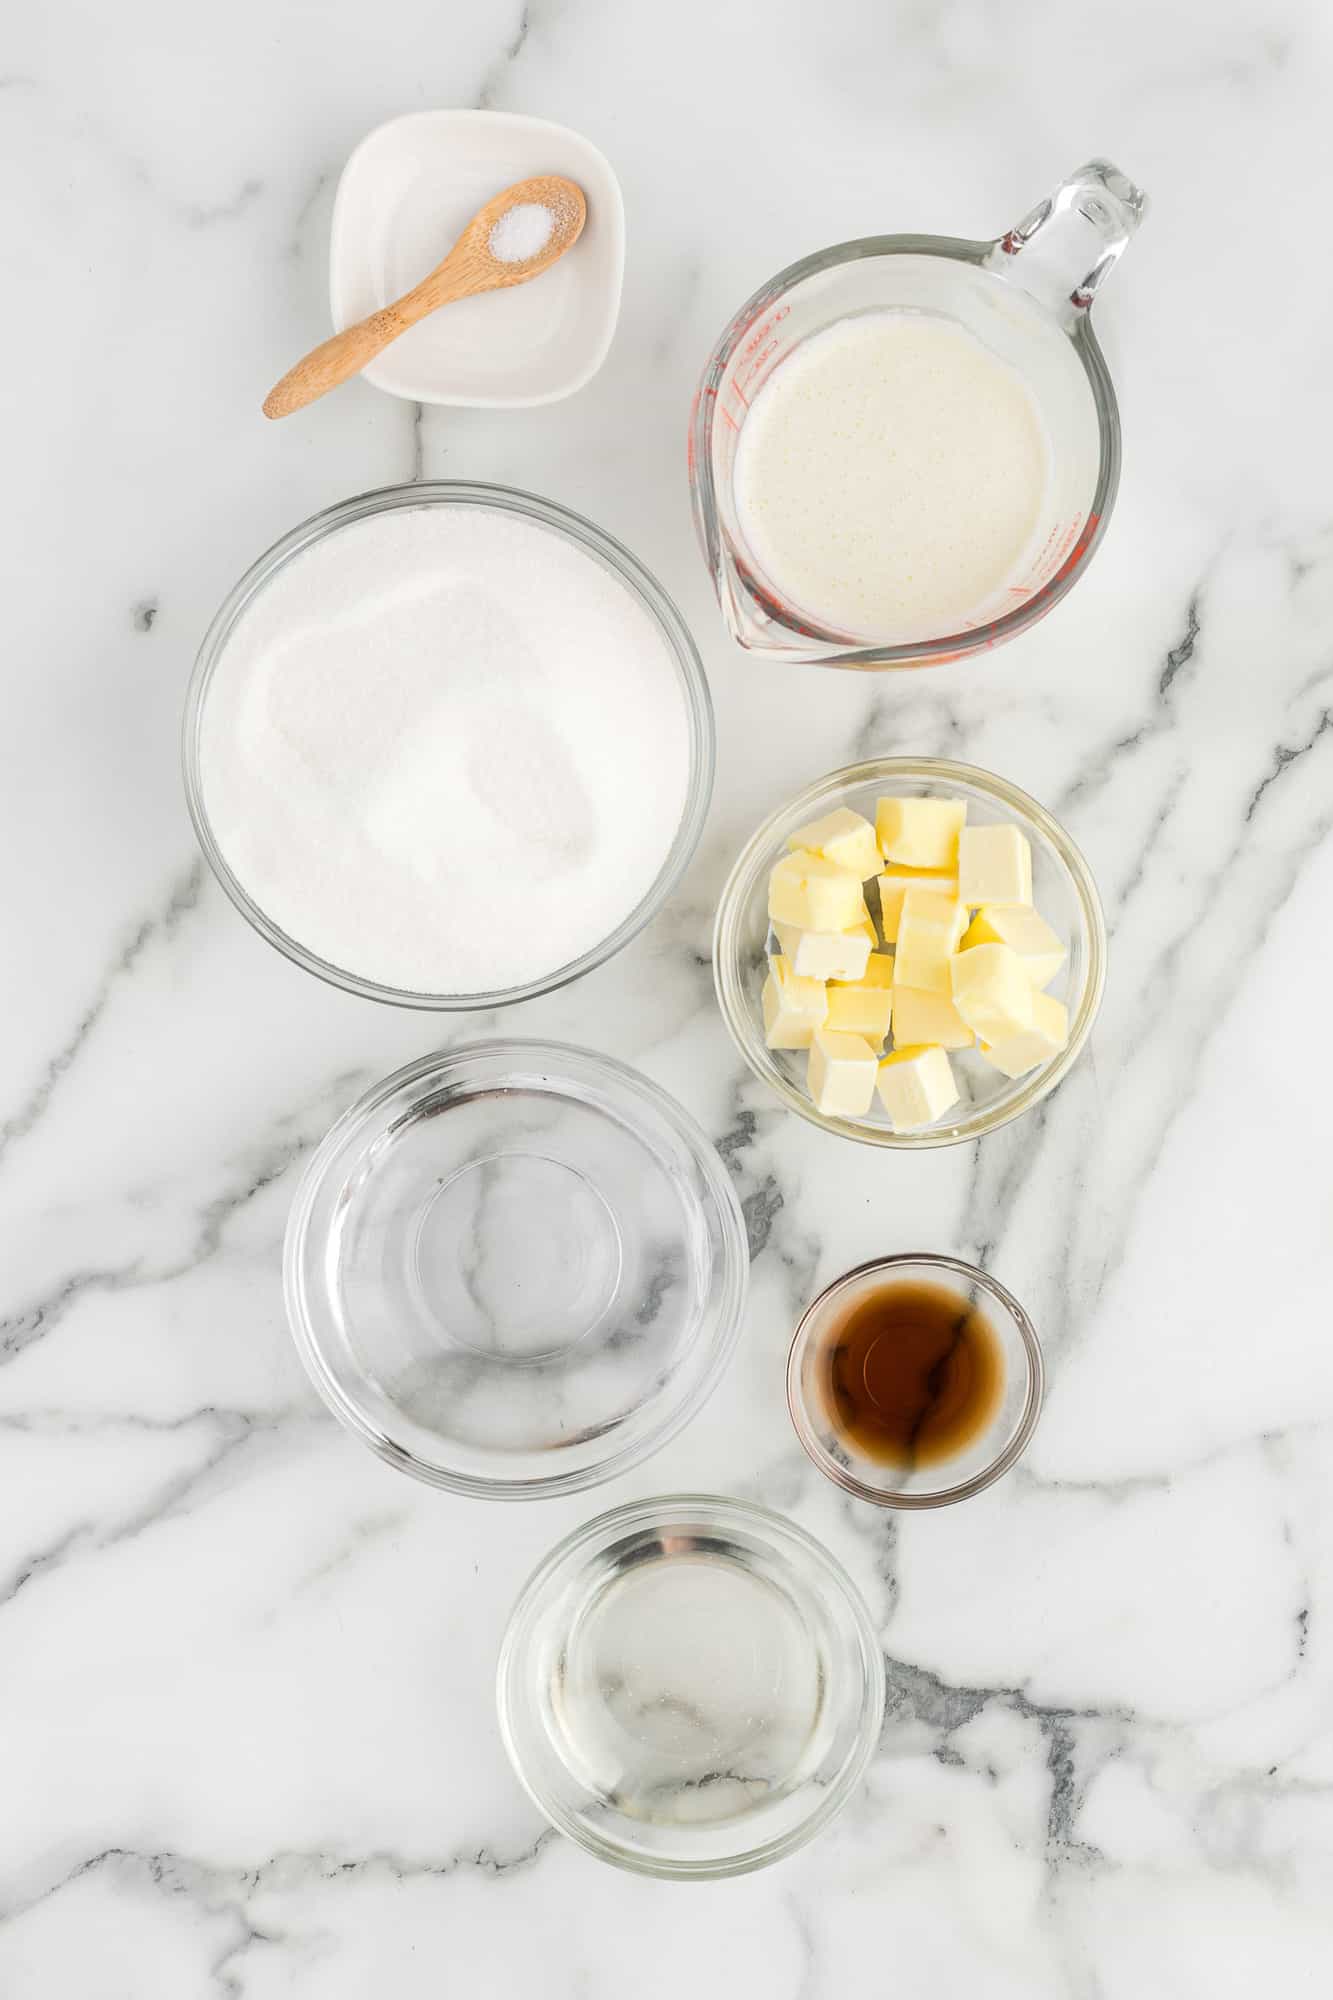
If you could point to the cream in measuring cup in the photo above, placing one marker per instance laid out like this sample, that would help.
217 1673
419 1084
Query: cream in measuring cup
904 449
891 475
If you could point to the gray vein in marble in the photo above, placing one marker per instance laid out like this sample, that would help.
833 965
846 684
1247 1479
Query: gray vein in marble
182 897
364 1534
498 73
1139 866
879 1530
1182 652
917 1695
1286 755
212 1886
808 1988
1159 977
42 1559
1178 666
417 466
295 249
1119 1489
133 168
1001 1165
762 1203
174 1497
922 721
18 1330
201 215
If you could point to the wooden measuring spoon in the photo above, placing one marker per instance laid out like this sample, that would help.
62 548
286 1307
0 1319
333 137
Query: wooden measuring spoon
471 266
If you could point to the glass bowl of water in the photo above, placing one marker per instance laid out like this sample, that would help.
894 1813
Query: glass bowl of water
515 1269
1063 891
690 1686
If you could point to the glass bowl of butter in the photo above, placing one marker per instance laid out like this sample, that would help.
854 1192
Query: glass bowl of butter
911 953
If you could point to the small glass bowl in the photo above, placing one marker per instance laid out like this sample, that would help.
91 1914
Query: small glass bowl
592 541
690 1686
515 1269
1063 891
979 1463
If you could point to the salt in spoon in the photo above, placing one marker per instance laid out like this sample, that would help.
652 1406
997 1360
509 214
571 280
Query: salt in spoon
476 263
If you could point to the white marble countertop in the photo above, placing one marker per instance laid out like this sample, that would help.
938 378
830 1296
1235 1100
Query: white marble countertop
247 1743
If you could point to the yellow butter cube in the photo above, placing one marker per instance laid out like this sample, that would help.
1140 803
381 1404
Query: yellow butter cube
843 837
828 954
1035 1045
879 970
930 930
863 1007
841 1074
811 893
793 1007
992 992
994 865
928 1017
916 1086
894 884
1019 926
921 833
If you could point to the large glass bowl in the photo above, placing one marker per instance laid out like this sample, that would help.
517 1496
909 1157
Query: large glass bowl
593 542
690 1687
1063 891
515 1269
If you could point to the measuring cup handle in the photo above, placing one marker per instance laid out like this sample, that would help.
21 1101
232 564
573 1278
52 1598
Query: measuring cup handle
1067 244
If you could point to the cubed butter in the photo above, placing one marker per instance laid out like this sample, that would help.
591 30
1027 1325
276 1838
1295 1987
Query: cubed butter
813 894
921 833
863 1007
828 954
992 992
916 1086
930 930
928 1017
793 1007
843 837
1019 926
841 1075
879 969
994 865
1035 1045
894 884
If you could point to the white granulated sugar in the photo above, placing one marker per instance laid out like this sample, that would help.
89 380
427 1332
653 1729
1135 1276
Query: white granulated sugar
445 750
522 231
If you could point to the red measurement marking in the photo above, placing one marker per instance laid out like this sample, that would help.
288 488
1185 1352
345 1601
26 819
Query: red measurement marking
759 333
726 414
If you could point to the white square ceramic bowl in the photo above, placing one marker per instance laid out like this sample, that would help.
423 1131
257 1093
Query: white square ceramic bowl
403 199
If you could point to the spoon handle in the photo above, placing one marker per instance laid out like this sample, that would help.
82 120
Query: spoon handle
334 360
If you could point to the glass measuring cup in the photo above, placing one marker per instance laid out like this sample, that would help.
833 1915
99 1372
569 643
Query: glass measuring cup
1027 296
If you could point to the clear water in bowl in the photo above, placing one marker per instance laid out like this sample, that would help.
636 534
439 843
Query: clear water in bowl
515 1268
690 1686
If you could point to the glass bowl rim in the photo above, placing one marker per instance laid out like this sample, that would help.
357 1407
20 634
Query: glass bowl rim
1003 1461
835 650
603 548
759 849
776 1527
728 1296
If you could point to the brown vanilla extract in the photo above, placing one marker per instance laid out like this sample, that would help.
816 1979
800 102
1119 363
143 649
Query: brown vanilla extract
913 1373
